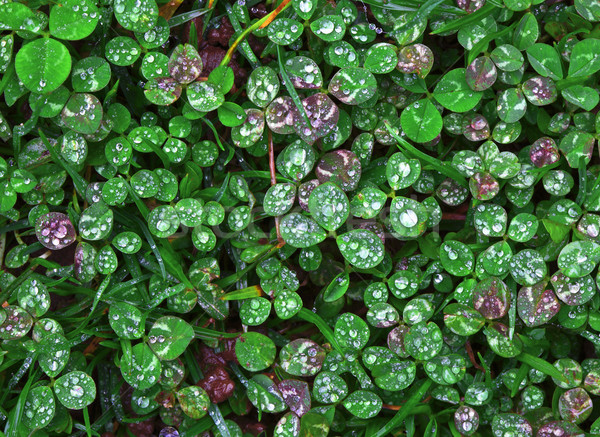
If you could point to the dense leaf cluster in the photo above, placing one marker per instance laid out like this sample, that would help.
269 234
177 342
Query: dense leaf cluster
299 218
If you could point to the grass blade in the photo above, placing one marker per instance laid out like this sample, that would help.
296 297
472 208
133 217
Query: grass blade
476 16
180 19
78 180
290 88
316 320
405 410
422 14
542 365
440 166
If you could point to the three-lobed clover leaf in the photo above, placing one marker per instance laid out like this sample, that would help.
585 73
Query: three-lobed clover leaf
493 226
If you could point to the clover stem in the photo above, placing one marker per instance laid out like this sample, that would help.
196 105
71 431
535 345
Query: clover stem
472 357
18 238
260 24
272 158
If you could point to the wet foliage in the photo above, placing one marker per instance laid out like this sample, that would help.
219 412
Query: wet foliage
294 218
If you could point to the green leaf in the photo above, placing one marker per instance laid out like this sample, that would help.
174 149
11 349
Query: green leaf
254 351
424 340
329 206
457 258
250 131
585 58
446 369
329 27
582 96
329 388
43 65
408 217
15 16
264 394
579 258
381 58
284 31
421 121
126 320
75 390
462 319
163 221
141 369
73 19
353 85
507 57
361 248
231 114
305 8
33 296
136 15
169 337
511 105
222 77
96 222
351 331
39 408
83 113
453 92
577 144
526 32
337 287
90 74
263 86
122 51
194 401
363 404
54 354
255 311
545 60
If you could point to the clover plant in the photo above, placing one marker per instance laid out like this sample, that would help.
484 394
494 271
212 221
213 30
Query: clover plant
299 218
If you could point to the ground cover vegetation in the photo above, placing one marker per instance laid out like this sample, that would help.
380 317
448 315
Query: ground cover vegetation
299 218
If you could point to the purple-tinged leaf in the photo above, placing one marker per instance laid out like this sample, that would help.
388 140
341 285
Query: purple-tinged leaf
185 64
55 230
537 305
323 115
341 167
